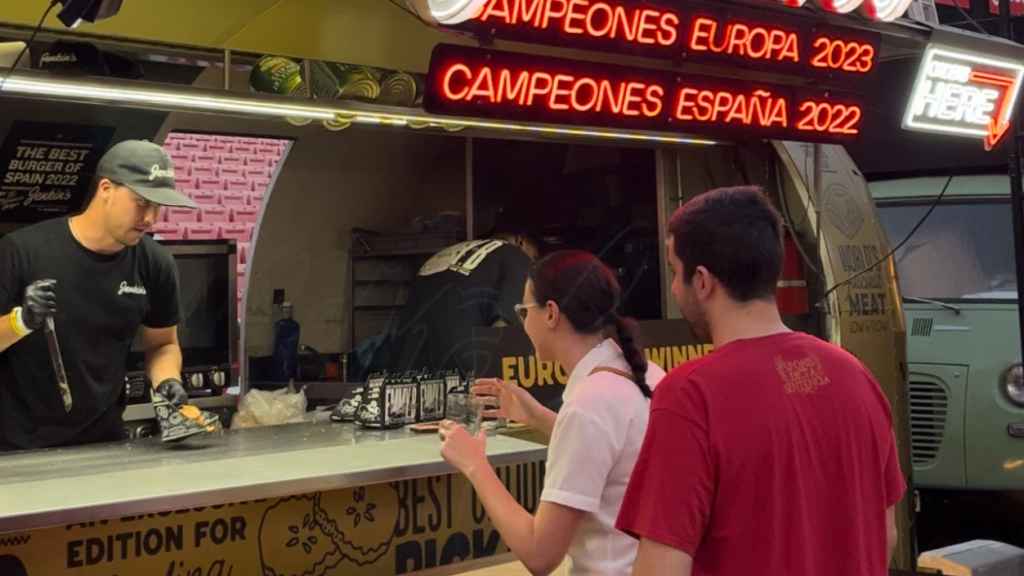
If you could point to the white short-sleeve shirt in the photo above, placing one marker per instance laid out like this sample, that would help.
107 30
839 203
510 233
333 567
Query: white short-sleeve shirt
594 446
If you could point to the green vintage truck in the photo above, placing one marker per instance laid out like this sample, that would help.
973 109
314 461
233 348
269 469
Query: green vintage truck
957 278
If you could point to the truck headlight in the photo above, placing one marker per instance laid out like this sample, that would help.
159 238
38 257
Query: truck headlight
1013 384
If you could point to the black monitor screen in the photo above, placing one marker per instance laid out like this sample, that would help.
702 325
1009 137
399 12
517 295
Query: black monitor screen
206 301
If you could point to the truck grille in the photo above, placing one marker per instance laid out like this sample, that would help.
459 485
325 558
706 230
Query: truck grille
921 327
929 408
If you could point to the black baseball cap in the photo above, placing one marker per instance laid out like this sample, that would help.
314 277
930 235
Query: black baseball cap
145 168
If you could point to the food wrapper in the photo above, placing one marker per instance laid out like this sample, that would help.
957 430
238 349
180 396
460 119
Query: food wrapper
390 404
395 400
270 408
179 423
346 410
431 397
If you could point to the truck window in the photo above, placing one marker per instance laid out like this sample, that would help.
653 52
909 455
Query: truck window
964 251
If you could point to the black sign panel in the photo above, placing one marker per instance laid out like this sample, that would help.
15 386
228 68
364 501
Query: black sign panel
46 168
517 87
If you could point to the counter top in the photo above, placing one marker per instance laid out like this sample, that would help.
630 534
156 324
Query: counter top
86 483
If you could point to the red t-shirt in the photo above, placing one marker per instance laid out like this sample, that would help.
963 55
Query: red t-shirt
772 455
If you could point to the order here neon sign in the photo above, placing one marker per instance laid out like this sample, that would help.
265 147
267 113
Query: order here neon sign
694 31
964 94
485 83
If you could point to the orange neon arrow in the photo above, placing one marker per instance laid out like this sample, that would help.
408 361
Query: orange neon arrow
996 130
1000 123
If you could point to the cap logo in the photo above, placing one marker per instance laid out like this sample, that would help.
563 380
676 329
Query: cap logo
58 58
156 172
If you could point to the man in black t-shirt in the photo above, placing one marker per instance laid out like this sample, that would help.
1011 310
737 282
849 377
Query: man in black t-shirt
100 277
472 284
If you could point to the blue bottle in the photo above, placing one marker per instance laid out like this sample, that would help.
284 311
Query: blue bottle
286 345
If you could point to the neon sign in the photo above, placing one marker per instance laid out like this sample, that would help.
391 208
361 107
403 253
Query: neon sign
453 11
694 31
485 83
596 19
524 10
744 41
964 94
879 10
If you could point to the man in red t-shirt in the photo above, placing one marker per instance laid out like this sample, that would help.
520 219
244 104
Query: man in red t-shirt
773 455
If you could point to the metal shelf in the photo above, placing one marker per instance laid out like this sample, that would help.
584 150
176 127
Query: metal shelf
406 252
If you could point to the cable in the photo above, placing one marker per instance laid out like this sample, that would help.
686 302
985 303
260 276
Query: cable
970 18
910 234
788 217
31 38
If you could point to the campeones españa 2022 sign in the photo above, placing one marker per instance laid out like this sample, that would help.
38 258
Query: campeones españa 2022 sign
492 84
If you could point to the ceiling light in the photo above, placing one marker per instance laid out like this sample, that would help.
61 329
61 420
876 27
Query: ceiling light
192 100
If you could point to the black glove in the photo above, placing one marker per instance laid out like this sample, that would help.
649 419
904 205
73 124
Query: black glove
40 302
174 391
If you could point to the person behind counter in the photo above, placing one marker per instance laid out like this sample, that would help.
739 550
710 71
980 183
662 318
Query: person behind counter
775 454
473 284
569 310
100 277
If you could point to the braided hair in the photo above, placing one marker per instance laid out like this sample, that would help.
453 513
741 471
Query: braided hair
587 292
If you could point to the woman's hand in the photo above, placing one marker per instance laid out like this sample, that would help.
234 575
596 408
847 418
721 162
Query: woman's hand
460 449
503 399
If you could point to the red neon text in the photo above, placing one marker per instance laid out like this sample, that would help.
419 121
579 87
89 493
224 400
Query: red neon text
737 39
593 18
834 54
502 86
830 118
759 108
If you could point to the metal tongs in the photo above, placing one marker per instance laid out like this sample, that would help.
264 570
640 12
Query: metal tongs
58 363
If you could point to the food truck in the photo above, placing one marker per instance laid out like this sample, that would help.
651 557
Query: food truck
330 160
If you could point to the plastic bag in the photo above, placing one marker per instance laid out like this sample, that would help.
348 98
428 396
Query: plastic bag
270 408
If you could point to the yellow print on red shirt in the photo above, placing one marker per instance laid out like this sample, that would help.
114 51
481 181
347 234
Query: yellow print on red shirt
803 376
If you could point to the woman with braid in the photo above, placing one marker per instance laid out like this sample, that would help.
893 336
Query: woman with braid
569 312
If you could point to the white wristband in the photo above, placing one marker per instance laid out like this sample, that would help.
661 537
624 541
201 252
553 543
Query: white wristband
18 324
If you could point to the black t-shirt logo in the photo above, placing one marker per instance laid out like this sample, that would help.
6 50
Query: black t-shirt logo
463 258
126 288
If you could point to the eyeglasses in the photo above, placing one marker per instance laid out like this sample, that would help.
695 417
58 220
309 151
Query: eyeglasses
523 309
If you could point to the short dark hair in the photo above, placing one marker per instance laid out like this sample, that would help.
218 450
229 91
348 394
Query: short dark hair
736 234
